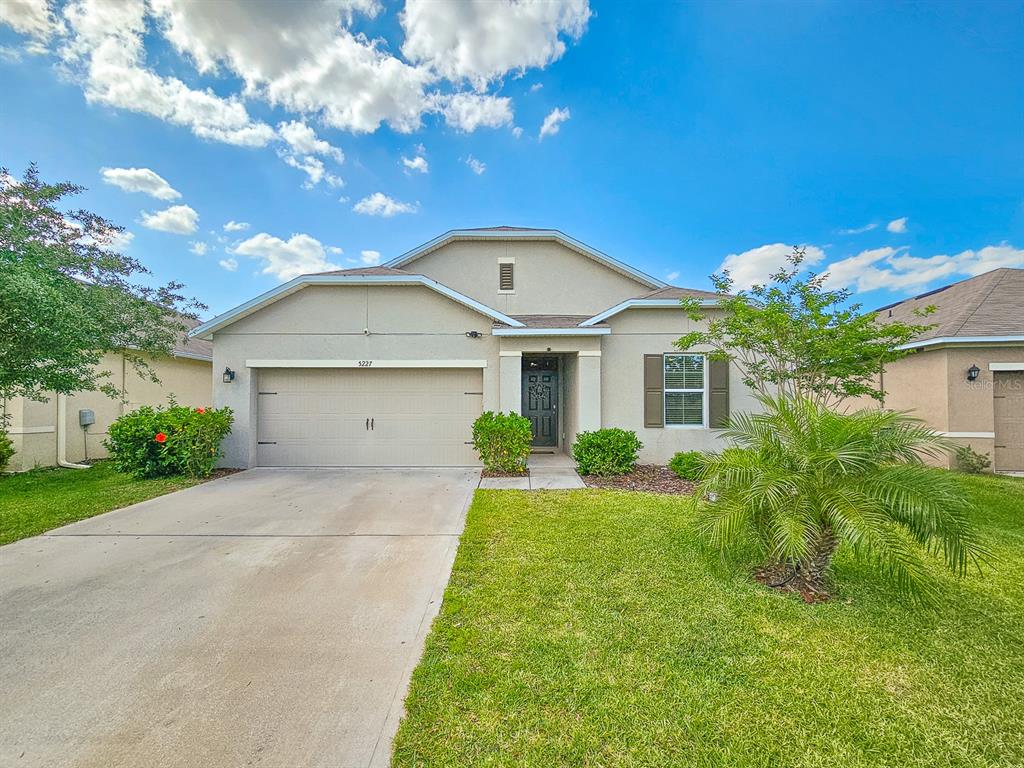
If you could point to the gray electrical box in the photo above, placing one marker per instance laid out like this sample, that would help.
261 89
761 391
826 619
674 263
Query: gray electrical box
86 417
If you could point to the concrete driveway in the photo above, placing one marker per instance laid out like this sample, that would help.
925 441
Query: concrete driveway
270 618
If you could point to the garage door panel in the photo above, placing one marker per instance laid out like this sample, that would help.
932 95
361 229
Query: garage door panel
317 417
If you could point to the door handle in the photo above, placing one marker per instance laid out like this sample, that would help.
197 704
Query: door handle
371 425
367 423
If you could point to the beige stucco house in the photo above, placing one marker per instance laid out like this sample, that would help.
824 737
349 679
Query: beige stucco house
49 433
965 376
391 365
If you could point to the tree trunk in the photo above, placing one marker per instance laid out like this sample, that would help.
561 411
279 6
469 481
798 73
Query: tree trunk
820 550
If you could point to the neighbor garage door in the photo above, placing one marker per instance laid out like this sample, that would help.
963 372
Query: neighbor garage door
358 417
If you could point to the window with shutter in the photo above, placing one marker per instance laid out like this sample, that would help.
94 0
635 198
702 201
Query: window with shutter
506 281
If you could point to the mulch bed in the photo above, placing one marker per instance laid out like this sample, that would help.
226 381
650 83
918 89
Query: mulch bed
784 579
494 473
650 478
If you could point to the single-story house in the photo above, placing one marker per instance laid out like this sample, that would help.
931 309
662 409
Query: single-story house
391 365
965 376
51 433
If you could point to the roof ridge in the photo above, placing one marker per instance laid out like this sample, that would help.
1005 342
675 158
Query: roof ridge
981 300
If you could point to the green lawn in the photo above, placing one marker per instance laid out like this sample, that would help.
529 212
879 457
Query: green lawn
591 628
37 501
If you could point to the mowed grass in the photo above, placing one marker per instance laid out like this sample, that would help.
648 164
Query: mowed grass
37 501
592 628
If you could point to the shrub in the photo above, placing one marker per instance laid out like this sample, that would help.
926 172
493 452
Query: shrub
606 452
502 441
687 464
970 461
6 450
154 442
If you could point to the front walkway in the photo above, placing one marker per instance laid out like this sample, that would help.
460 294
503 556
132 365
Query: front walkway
548 471
269 618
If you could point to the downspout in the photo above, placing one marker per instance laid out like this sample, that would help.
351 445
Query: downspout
62 446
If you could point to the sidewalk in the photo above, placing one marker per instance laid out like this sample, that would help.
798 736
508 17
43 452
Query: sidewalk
548 471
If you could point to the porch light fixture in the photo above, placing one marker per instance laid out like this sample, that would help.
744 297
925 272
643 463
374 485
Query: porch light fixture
972 373
228 376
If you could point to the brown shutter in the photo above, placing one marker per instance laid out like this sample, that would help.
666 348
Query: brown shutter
505 277
654 391
718 394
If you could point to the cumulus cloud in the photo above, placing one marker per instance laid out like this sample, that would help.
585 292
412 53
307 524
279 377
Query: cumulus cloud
140 180
553 122
229 264
536 87
178 219
896 269
314 169
199 248
517 132
475 165
379 204
672 276
418 164
758 264
285 259
236 226
481 40
899 226
370 258
32 18
303 140
468 111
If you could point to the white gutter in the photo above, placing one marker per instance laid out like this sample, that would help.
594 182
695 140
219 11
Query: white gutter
62 426
550 331
962 340
642 304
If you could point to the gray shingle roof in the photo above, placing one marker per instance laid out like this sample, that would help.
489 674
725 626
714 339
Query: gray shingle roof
362 271
550 321
991 304
673 292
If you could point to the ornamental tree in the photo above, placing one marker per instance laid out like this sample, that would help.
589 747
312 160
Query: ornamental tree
67 295
795 337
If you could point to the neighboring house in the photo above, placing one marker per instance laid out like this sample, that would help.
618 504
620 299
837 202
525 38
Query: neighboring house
50 433
391 365
966 375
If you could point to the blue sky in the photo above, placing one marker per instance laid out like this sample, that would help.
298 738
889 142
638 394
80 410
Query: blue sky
887 138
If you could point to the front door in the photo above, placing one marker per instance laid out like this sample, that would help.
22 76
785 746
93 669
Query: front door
540 398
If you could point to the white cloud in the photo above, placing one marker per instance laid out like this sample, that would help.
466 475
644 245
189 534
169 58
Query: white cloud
895 269
199 248
32 18
418 164
672 276
758 264
370 258
304 141
475 165
899 226
140 180
858 230
314 169
379 204
178 219
229 264
334 250
536 87
481 40
552 123
236 226
285 259
105 50
517 131
468 111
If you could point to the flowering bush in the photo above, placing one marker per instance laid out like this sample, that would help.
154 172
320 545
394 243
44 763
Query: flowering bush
152 442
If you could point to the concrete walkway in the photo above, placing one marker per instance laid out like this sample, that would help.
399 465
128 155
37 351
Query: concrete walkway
269 618
548 471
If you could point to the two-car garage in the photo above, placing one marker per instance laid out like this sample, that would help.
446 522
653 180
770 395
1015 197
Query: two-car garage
367 416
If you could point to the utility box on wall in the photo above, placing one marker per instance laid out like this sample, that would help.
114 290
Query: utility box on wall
86 417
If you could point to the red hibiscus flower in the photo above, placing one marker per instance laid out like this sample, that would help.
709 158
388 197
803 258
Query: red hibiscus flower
200 410
160 437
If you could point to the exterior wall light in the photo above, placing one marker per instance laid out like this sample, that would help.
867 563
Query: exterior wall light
972 373
228 376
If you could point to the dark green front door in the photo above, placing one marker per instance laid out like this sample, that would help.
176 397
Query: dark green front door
540 398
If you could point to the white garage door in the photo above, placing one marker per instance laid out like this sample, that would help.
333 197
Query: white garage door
359 417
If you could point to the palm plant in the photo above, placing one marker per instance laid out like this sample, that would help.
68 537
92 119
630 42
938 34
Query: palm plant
805 479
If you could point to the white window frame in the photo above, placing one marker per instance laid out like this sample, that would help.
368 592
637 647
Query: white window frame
703 391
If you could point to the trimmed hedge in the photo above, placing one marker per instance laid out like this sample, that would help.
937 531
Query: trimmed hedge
686 464
610 451
502 440
156 442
